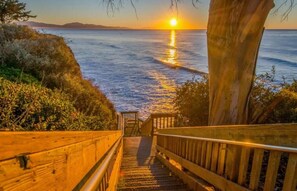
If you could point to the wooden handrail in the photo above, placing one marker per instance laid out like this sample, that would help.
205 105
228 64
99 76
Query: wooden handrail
238 143
234 157
100 179
56 160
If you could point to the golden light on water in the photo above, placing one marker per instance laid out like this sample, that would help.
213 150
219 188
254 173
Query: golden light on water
171 53
172 39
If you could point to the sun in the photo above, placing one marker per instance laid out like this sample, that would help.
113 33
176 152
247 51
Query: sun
173 22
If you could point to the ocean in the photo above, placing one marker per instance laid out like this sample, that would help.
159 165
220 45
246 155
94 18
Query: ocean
140 69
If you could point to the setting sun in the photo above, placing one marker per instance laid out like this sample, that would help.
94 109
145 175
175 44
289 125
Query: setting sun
173 22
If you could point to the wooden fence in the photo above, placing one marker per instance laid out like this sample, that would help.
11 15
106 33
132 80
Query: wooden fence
233 157
158 121
59 160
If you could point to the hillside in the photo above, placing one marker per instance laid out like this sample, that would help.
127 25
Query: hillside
49 92
74 25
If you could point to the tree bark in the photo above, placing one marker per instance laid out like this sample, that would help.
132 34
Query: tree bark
235 29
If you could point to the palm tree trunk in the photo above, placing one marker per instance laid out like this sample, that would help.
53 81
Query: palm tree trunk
235 28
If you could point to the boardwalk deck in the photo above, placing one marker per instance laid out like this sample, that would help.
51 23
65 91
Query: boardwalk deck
141 170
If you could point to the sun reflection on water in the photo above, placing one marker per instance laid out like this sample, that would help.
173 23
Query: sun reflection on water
172 38
164 92
171 53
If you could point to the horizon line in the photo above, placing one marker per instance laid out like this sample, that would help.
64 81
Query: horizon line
129 28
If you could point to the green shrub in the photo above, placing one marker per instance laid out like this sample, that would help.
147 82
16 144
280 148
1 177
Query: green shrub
48 59
192 102
16 75
269 103
272 103
31 107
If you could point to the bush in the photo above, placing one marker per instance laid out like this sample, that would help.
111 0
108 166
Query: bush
192 102
16 75
31 107
272 103
269 103
48 59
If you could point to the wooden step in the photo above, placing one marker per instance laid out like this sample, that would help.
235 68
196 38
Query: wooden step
140 169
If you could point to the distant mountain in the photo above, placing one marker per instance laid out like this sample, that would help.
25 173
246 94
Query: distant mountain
74 25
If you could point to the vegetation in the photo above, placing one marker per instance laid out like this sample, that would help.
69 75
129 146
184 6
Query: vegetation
16 75
192 102
27 56
31 107
272 103
269 103
13 10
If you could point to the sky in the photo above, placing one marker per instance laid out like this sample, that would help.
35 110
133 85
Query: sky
151 14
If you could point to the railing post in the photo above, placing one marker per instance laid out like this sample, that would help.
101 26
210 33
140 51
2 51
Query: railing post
152 125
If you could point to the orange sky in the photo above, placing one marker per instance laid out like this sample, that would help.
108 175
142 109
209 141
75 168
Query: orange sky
152 14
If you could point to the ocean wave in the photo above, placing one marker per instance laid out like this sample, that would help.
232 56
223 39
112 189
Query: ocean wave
112 46
279 61
192 53
159 61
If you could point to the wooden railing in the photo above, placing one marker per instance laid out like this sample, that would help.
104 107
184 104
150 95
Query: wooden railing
105 175
60 160
129 122
158 121
233 157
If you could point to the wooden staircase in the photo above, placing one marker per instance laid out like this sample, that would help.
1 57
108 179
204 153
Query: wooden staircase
237 157
140 170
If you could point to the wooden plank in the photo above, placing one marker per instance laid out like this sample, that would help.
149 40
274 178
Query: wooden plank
214 179
147 127
272 170
214 157
276 134
15 143
198 153
179 146
152 127
189 149
114 176
169 144
166 142
256 168
192 183
222 159
208 155
184 146
175 143
59 168
243 165
194 151
203 154
229 162
160 123
173 122
290 182
232 165
167 122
